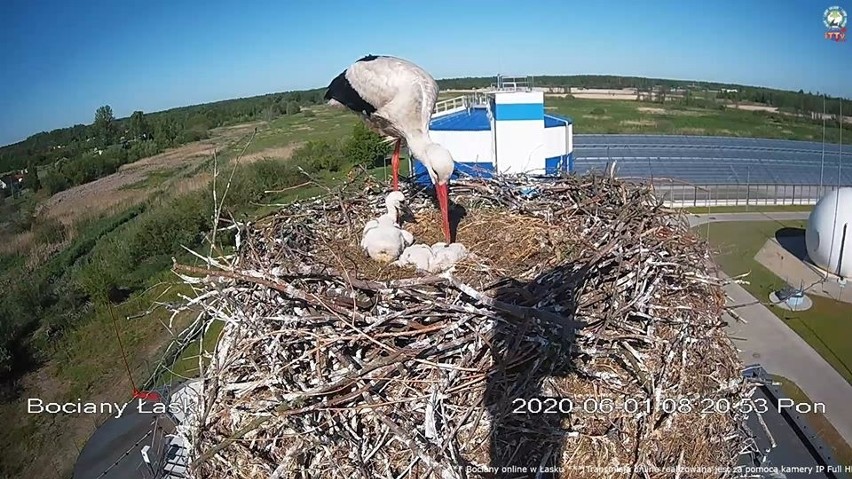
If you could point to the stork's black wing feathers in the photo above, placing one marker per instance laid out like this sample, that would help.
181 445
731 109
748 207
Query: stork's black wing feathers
342 91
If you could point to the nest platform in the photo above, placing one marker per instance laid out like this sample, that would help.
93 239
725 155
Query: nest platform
583 332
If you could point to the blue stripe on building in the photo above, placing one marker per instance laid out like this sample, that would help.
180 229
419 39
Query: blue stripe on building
518 111
552 121
556 165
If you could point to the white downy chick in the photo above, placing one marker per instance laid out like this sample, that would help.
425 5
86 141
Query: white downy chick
383 240
420 256
446 256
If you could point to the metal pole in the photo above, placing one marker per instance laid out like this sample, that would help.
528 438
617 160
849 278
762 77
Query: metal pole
822 163
837 198
748 185
709 195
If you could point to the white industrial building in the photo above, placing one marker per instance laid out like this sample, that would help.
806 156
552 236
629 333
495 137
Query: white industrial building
502 129
829 234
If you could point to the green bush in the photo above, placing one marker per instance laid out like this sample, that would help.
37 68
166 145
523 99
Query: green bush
163 230
308 114
319 156
598 111
365 147
54 182
292 108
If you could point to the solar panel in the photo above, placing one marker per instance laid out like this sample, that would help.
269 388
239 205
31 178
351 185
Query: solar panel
716 160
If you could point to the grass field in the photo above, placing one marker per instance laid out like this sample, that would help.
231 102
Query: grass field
842 451
616 116
826 326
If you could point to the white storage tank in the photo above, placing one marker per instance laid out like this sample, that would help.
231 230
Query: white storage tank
829 233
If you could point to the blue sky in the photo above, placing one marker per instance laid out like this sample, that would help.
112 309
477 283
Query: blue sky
59 63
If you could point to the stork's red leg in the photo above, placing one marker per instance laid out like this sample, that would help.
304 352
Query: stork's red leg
443 193
395 165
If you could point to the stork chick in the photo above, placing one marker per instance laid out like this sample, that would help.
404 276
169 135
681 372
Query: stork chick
445 256
383 240
419 255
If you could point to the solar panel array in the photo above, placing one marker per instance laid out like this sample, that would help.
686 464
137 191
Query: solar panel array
716 160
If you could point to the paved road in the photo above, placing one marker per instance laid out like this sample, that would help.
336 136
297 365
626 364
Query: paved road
695 220
765 339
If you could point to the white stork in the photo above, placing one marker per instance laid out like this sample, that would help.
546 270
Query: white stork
395 98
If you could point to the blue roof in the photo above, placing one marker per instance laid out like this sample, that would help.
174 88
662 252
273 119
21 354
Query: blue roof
551 121
475 119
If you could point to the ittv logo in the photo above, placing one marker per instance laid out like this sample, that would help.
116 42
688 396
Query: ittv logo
834 19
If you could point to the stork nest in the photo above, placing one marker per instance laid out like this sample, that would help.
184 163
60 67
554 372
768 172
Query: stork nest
581 339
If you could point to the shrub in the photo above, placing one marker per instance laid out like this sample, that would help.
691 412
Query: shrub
54 182
292 108
365 147
598 111
319 156
308 114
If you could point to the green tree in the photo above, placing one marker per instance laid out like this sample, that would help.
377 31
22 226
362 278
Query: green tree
292 108
138 125
31 181
104 126
365 147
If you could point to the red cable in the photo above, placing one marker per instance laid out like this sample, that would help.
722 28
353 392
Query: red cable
137 394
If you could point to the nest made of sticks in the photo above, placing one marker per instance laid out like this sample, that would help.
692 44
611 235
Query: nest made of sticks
582 289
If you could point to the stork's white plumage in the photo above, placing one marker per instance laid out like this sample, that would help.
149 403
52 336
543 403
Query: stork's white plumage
395 98
383 240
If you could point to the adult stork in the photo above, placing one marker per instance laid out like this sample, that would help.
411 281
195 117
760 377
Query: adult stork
395 98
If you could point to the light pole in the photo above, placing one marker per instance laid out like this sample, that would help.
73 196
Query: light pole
822 163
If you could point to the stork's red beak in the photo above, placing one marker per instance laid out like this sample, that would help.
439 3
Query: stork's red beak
395 165
443 193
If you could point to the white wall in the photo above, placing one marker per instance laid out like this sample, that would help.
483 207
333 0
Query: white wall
520 146
570 137
519 97
466 146
554 142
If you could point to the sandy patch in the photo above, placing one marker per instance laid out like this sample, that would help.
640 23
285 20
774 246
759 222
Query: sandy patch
638 123
277 153
604 96
770 109
652 110
597 117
